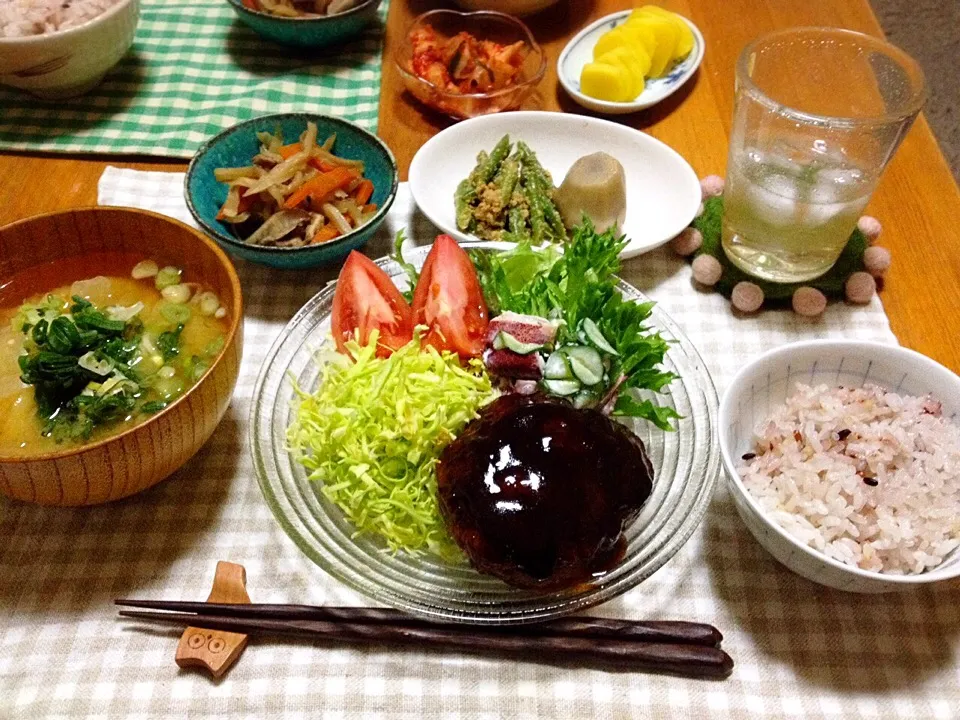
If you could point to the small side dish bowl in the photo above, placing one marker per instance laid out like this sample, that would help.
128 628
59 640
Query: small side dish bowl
132 460
69 62
767 381
308 32
483 25
579 51
237 145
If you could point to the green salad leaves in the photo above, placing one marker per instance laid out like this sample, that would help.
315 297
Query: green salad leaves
578 287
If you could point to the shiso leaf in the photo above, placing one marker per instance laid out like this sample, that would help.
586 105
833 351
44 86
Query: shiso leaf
371 433
580 286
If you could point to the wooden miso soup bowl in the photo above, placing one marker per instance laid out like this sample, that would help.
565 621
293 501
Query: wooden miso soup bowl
126 463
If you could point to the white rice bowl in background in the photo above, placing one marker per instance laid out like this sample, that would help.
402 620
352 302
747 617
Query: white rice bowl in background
808 496
63 48
19 18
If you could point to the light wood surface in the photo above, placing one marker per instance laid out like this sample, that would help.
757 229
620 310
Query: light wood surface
124 464
216 650
917 201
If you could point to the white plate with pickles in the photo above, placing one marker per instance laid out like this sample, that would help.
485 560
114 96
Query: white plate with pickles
662 64
469 186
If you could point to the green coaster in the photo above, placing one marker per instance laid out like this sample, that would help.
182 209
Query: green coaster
831 283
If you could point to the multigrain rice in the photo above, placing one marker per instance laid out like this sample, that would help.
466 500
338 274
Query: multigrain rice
867 477
19 18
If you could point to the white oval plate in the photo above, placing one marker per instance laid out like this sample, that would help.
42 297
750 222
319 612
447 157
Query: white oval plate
579 51
663 192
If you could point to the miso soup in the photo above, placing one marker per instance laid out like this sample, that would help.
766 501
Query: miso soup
90 347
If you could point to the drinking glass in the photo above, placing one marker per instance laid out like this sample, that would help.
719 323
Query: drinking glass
819 113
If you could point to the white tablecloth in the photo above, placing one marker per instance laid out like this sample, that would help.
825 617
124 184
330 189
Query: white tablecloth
801 650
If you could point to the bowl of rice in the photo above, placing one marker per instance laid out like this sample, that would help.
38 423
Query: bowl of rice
843 459
63 48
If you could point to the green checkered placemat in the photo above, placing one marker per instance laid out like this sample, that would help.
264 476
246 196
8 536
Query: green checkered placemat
193 70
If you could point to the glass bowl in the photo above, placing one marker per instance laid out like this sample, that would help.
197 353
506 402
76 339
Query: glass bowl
686 467
483 25
520 8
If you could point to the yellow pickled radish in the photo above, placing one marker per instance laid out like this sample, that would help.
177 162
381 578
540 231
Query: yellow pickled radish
643 57
641 35
667 34
685 40
605 82
626 58
610 40
637 47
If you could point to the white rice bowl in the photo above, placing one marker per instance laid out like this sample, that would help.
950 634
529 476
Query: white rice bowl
21 18
865 476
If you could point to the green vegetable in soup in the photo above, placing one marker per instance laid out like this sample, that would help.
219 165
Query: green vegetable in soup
168 343
92 366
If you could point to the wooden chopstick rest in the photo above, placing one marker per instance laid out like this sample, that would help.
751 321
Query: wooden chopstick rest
216 650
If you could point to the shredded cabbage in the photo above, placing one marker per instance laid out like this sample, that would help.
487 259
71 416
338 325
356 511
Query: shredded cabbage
371 433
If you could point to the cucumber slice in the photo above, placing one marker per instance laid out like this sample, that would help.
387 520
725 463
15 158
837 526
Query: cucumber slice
506 341
563 388
557 367
593 336
584 398
586 364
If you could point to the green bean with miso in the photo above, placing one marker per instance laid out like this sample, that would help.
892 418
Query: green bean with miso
509 195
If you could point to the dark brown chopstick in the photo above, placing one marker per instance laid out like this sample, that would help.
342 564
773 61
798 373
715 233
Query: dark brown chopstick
660 631
675 658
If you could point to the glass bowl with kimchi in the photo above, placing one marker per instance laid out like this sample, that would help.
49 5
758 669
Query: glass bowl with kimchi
469 64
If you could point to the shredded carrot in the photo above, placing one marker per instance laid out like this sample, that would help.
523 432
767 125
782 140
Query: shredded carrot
325 234
252 4
321 165
372 207
288 151
363 192
320 186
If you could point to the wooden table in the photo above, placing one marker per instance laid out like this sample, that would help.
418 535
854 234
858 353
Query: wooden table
917 201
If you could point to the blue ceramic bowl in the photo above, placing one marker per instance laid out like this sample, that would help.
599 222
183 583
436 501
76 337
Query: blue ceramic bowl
236 146
313 32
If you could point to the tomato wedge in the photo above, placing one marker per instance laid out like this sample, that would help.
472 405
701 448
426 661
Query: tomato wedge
448 300
367 300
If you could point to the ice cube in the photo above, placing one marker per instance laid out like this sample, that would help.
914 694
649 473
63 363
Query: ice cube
775 201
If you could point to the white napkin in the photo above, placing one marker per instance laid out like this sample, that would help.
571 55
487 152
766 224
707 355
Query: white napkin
800 649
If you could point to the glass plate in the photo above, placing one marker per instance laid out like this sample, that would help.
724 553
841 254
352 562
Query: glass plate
686 466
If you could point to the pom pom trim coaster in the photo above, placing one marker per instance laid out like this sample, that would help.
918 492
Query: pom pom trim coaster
854 277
